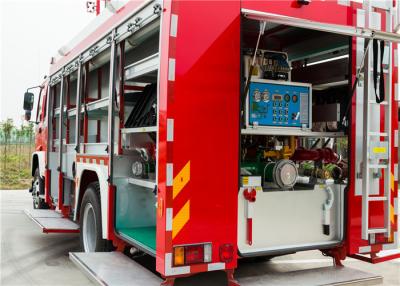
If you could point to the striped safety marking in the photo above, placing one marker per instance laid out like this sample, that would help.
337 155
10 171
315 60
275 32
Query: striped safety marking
181 218
181 180
98 160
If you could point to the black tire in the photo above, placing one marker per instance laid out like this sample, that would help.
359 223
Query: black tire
37 190
90 221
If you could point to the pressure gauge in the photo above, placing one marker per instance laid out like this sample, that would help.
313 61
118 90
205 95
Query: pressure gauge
265 96
256 95
287 97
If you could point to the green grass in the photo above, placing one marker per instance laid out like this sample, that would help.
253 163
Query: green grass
15 169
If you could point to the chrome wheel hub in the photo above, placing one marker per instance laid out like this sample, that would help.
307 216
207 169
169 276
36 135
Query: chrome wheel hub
89 228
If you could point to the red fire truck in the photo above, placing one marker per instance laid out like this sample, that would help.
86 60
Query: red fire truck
201 132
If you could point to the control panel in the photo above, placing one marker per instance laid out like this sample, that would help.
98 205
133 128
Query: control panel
279 104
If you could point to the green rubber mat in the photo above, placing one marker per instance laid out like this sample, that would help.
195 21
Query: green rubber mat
144 235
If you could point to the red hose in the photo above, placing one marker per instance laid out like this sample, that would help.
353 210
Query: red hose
326 155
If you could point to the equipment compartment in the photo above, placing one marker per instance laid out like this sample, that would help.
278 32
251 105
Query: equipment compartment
293 163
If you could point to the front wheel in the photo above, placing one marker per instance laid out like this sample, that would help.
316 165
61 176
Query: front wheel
90 221
37 191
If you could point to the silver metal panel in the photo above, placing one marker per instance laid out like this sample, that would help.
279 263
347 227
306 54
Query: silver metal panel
142 67
43 213
52 165
139 130
95 148
68 160
56 223
50 221
285 220
146 183
113 268
135 205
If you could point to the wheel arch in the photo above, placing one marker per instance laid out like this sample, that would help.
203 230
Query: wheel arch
38 161
85 175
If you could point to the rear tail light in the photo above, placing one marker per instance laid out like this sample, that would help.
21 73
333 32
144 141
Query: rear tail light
192 254
226 253
179 256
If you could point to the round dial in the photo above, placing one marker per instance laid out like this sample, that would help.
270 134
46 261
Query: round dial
265 96
294 98
287 97
256 95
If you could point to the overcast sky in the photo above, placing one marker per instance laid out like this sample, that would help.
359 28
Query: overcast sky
31 32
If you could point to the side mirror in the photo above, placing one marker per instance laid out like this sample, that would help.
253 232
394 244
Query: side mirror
28 102
27 115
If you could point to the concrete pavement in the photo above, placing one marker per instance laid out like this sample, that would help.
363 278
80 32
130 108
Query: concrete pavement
29 257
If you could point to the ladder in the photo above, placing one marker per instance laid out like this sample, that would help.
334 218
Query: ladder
376 143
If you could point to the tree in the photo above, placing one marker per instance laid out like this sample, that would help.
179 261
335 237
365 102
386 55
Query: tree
6 127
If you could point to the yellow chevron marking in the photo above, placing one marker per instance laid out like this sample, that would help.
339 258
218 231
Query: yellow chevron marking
391 206
392 214
392 182
181 218
181 180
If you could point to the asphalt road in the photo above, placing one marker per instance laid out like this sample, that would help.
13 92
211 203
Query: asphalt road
29 257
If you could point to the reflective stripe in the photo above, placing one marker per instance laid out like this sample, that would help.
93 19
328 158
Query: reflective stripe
174 25
171 70
181 179
168 226
170 170
216 266
170 271
170 130
181 218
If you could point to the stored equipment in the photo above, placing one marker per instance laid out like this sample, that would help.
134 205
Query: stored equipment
283 174
279 104
272 65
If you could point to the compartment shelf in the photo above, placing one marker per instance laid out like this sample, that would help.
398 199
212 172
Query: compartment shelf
145 237
98 107
139 130
146 183
290 132
145 69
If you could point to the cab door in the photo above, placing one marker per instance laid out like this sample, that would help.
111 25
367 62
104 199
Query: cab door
41 128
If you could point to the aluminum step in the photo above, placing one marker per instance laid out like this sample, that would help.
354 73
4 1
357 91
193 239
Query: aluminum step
114 268
51 221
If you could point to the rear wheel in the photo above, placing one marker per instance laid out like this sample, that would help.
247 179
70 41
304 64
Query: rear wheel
90 221
37 191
